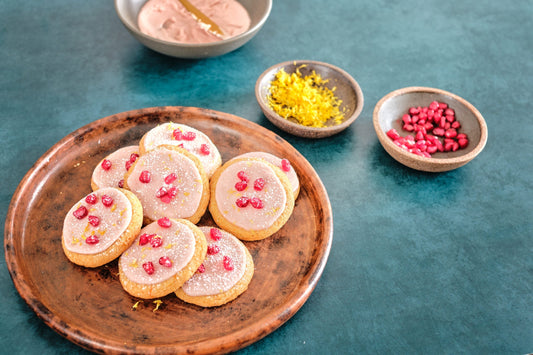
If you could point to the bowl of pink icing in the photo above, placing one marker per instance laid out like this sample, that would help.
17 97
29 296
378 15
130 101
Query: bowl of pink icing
211 28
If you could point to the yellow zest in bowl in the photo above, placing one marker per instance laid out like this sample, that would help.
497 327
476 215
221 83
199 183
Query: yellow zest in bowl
304 99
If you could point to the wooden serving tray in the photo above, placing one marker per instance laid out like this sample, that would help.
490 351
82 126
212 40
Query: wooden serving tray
89 306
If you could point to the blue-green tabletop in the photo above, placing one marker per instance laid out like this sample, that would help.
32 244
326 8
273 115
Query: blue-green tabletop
419 262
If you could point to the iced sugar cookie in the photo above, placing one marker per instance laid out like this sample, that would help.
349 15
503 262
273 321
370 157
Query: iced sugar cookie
170 182
250 198
110 171
283 164
224 274
185 137
164 255
99 227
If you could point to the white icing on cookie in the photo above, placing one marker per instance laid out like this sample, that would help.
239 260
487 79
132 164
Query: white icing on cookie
272 196
90 227
187 137
214 277
168 250
170 172
110 173
274 160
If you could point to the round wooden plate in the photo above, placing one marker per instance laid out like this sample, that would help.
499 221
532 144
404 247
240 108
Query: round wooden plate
89 306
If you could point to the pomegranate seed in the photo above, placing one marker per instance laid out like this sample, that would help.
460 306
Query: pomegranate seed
461 136
165 261
440 148
161 192
393 134
189 136
438 131
128 164
172 192
414 119
434 106
145 238
213 249
455 146
450 133
228 263
201 269
408 127
177 134
243 176
204 149
241 185
164 222
107 200
456 124
81 212
414 110
406 119
419 136
145 177
450 118
133 157
256 202
149 267
91 199
156 241
463 142
443 105
430 113
170 178
215 234
166 199
121 183
93 239
106 164
259 184
448 146
449 112
431 149
421 144
94 221
242 201
285 165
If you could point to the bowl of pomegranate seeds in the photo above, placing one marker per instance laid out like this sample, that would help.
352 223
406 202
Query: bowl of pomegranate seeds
429 129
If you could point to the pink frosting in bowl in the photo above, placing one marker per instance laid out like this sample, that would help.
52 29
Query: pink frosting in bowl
169 20
258 11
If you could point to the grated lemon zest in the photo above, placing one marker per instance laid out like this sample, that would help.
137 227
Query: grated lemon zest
305 100
157 304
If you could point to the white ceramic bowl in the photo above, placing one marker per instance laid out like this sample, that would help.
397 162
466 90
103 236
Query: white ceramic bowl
259 10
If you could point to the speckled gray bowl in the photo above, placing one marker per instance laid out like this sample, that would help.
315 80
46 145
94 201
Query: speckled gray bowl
259 10
390 109
347 90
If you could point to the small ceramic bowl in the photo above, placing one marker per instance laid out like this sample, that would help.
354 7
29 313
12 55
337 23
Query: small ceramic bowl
390 109
128 10
347 90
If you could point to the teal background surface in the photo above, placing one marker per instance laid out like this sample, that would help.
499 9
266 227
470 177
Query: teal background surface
420 262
